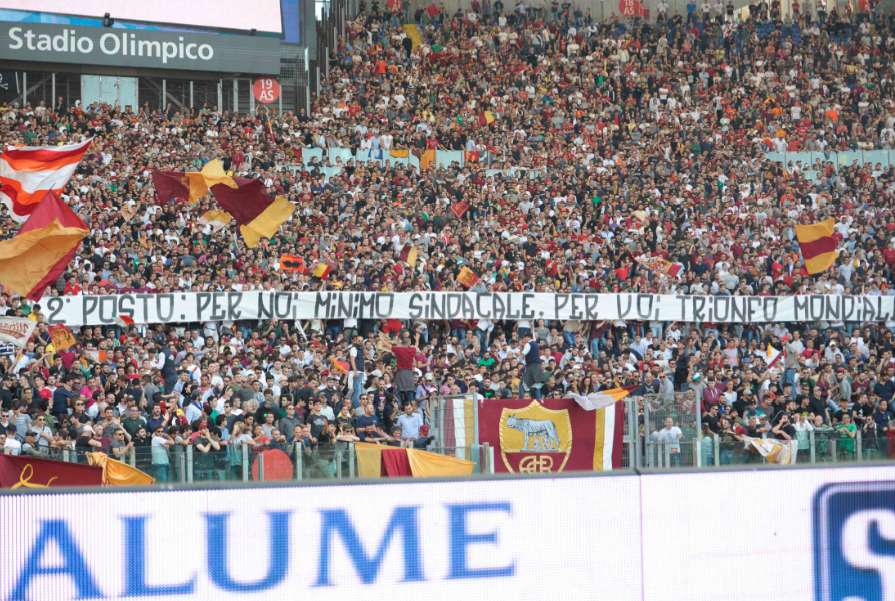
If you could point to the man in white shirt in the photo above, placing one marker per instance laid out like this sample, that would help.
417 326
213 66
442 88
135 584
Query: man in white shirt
411 423
12 445
669 440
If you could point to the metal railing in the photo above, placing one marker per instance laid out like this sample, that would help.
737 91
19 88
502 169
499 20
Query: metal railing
818 447
243 462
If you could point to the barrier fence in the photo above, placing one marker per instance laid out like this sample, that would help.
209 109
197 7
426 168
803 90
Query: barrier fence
186 463
646 416
331 161
642 447
812 164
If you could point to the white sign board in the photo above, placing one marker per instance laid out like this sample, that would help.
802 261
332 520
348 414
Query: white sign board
177 307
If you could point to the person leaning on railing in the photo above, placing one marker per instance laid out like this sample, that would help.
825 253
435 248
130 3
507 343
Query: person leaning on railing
279 441
120 446
160 444
210 454
239 437
847 431
142 442
30 447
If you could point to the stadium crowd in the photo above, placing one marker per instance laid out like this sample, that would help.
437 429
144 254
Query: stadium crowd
649 138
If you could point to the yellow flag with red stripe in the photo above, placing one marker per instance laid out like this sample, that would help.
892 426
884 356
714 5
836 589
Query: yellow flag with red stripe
818 245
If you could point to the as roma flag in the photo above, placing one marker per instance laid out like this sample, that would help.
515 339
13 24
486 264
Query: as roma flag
31 472
553 435
45 245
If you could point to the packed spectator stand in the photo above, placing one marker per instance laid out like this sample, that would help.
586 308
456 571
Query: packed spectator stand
585 145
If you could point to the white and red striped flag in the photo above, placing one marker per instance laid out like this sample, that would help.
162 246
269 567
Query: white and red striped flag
27 173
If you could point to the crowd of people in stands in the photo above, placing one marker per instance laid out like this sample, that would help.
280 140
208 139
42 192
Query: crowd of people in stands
614 140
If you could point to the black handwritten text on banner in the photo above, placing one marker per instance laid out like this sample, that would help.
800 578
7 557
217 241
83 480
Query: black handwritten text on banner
180 307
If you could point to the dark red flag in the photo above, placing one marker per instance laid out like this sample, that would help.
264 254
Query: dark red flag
31 472
170 185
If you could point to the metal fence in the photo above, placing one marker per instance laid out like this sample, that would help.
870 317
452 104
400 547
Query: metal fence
243 462
643 447
696 449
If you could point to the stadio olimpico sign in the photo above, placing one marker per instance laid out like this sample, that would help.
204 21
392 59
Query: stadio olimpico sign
139 48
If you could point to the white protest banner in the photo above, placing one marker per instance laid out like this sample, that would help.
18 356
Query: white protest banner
16 330
186 307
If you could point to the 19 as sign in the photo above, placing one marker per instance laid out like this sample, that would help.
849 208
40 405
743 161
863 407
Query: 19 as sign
266 90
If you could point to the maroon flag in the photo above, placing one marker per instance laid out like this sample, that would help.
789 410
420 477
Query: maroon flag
245 202
170 185
31 472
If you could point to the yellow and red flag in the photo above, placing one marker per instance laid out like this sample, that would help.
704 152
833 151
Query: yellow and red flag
192 185
413 256
45 245
258 215
321 270
29 172
62 337
409 254
467 277
375 461
818 245
117 473
212 174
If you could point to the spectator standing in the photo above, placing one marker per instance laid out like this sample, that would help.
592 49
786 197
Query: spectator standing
669 441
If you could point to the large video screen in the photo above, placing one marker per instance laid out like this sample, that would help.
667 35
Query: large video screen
262 15
757 535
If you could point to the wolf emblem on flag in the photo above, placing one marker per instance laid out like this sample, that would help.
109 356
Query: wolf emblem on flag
535 439
531 436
